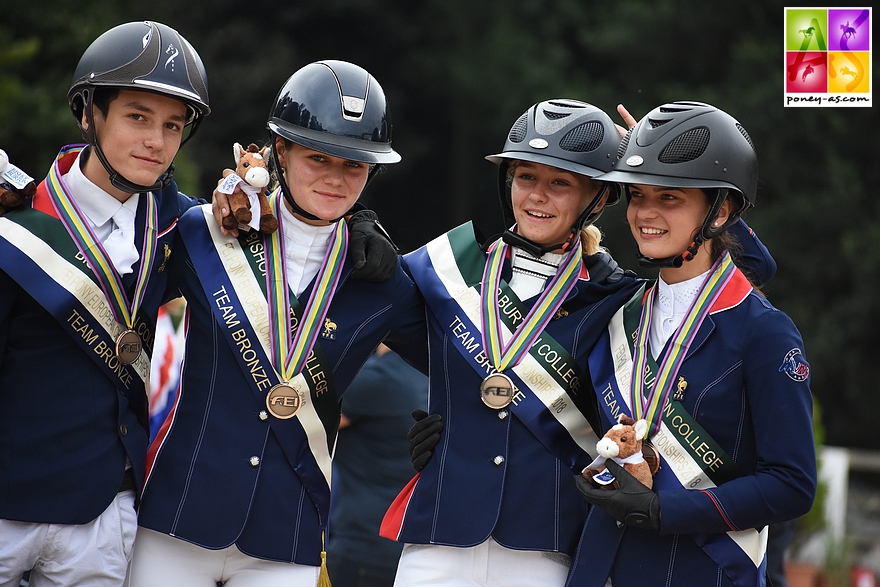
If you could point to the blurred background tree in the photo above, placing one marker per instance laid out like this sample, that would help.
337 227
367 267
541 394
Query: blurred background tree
458 73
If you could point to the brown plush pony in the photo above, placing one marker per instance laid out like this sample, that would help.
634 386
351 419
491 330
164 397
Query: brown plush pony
15 185
622 443
251 166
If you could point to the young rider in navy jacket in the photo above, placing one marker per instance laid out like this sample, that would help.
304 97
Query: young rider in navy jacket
238 477
496 501
725 390
83 270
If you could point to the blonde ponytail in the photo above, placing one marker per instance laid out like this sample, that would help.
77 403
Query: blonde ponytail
591 237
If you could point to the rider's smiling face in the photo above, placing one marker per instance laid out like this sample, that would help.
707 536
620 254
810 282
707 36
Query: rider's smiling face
547 201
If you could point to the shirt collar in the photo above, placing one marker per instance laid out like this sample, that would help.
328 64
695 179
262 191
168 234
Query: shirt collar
299 231
675 299
544 266
96 204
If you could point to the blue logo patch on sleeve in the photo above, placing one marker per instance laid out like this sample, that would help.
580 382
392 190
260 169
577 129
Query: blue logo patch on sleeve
794 368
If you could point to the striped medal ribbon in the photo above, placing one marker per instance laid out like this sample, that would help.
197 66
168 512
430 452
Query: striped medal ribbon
128 342
496 390
292 350
649 404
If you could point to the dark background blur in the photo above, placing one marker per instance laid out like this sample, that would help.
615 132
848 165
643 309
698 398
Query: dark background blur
458 73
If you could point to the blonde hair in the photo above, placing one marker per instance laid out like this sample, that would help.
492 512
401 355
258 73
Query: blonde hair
591 239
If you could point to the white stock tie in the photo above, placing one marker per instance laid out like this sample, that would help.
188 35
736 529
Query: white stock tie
120 244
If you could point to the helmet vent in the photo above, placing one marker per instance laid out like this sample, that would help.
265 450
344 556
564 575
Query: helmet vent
742 131
583 138
686 147
567 104
194 78
555 115
519 129
655 122
668 110
623 143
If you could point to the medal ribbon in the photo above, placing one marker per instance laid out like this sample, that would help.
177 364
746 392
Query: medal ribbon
504 356
650 405
292 351
88 244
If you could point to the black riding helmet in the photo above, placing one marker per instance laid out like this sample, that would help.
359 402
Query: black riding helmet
336 108
566 134
691 145
143 56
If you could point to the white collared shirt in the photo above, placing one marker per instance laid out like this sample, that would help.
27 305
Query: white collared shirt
530 274
304 248
97 205
670 306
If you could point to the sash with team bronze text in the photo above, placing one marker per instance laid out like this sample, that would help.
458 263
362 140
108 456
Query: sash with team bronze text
39 254
232 273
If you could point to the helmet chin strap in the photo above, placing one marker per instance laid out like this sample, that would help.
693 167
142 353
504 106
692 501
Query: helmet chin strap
677 260
532 248
707 231
127 186
586 218
286 191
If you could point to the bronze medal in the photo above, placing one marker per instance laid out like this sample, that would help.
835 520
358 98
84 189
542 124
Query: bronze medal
283 401
128 347
651 456
496 391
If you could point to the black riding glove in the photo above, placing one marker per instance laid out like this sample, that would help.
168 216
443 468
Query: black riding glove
423 437
604 269
633 504
371 249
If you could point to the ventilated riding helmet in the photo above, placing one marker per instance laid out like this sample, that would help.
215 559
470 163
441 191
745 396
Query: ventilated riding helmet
691 145
143 56
566 134
337 108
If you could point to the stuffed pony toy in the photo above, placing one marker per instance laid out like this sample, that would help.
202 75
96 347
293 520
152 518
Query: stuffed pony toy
624 443
15 185
249 206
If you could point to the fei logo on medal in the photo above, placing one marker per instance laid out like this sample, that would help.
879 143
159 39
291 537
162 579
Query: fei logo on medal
828 57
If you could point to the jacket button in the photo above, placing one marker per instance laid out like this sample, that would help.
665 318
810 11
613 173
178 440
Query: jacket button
499 460
502 414
123 429
255 461
263 415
